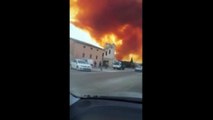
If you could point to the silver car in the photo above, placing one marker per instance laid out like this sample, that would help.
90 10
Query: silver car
138 68
80 64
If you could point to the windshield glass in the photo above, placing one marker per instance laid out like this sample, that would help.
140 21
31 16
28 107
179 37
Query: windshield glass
116 63
82 62
108 35
137 65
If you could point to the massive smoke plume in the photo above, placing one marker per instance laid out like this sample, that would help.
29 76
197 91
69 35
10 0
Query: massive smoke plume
114 21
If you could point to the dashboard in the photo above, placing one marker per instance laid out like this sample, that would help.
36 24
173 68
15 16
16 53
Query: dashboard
98 109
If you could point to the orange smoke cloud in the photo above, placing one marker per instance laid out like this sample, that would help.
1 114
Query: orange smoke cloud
112 21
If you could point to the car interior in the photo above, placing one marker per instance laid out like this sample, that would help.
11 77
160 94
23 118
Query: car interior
95 109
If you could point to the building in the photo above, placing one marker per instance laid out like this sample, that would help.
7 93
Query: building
80 49
109 55
84 50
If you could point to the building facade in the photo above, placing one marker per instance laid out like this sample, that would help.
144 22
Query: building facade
109 55
100 56
83 50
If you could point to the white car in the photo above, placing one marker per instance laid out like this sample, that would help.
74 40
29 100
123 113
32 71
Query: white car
118 65
80 64
90 61
138 68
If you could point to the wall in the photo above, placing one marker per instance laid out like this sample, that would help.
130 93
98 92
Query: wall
109 57
77 49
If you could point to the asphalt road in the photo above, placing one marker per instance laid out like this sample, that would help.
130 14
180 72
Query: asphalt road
119 83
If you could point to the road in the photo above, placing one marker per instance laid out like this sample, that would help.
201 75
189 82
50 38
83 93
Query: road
122 83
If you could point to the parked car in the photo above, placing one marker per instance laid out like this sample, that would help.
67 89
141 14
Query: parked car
80 64
138 68
90 61
118 65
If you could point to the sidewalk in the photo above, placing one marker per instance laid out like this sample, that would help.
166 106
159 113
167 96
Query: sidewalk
110 70
103 70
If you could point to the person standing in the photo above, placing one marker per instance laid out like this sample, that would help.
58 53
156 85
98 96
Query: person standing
100 66
95 64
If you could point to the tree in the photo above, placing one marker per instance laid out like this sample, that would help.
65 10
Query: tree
131 62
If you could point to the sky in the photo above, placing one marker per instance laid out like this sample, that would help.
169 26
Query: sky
82 35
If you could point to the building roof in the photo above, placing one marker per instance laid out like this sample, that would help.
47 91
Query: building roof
81 36
88 42
109 45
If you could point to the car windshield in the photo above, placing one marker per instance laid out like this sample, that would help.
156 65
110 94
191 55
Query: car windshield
138 66
116 63
82 62
108 37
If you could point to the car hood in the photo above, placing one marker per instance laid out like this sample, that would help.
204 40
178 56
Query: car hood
130 94
116 65
88 65
125 94
121 96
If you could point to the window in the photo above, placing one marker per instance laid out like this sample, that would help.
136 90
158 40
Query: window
106 53
84 46
96 57
83 55
90 56
91 48
109 51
